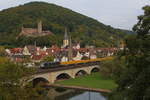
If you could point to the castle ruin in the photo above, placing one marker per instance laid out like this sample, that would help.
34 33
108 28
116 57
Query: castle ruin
34 32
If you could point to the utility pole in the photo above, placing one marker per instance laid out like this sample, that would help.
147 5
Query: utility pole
35 43
89 95
70 49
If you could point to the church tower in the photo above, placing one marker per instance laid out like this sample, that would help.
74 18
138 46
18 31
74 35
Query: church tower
66 40
39 27
122 45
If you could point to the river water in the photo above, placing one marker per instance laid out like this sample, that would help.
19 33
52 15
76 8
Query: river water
88 96
72 94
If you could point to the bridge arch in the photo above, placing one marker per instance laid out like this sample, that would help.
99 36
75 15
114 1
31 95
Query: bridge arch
80 73
62 76
39 81
95 69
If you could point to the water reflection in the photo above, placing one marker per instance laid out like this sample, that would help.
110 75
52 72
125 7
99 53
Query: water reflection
88 96
72 94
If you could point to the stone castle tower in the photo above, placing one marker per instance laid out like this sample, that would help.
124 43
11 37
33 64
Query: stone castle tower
39 27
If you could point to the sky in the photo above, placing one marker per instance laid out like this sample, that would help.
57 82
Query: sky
117 13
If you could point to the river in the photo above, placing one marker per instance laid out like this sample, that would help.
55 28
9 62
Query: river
88 96
73 94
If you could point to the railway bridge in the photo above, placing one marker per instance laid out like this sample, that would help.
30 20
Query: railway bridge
71 71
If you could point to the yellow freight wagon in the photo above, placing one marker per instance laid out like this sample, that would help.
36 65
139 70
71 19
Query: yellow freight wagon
85 61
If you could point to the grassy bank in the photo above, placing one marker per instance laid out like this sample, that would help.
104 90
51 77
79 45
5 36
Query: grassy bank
94 80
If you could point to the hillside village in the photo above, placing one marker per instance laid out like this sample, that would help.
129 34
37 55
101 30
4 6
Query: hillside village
67 52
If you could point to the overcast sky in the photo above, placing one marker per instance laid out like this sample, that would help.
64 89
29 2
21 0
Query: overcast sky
117 13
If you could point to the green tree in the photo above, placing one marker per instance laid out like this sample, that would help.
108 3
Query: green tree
48 58
11 82
111 68
134 81
85 58
2 51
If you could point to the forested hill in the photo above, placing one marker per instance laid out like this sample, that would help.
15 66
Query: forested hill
55 18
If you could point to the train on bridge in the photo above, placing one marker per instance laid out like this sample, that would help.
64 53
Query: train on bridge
48 65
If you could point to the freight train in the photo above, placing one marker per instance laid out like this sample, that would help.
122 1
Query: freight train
48 65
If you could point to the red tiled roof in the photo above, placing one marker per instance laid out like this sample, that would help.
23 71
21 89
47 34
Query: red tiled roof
16 50
42 52
53 50
37 57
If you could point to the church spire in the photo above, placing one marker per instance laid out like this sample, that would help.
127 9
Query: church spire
66 40
66 34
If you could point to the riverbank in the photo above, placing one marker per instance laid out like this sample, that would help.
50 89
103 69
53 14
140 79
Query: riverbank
81 88
93 81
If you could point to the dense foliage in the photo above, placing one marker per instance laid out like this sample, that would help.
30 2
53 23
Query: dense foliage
48 59
12 80
55 18
2 51
134 80
111 68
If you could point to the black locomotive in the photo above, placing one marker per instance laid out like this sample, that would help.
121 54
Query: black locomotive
47 65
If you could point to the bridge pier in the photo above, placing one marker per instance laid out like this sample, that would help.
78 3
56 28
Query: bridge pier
51 78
